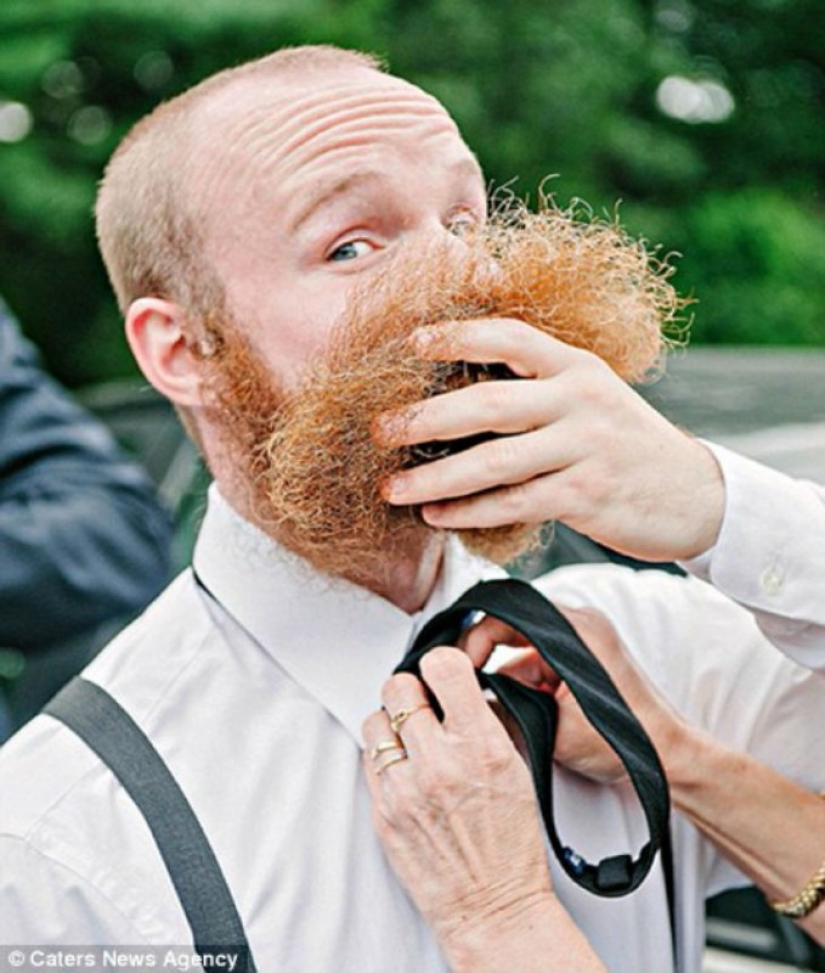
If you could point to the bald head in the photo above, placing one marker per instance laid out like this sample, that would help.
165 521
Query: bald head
149 224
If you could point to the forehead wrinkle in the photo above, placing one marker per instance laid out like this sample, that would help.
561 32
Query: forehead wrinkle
287 104
322 102
400 112
258 148
347 126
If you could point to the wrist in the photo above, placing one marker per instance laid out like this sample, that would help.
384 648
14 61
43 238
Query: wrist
704 506
473 930
687 755
532 934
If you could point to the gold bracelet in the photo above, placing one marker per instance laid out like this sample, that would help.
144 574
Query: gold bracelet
804 902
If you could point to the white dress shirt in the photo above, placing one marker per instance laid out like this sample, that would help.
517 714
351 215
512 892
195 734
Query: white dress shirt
256 699
770 554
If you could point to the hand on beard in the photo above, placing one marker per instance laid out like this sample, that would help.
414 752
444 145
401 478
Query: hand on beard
315 467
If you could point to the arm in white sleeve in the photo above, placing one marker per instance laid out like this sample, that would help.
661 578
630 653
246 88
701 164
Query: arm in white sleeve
770 554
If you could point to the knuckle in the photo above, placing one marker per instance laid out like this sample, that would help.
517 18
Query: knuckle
515 504
407 684
446 663
389 686
433 782
590 376
500 457
495 399
403 686
576 494
499 761
591 363
495 755
516 331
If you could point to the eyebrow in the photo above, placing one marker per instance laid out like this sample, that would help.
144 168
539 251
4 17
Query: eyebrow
324 195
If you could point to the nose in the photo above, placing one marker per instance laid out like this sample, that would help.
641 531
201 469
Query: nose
449 245
469 249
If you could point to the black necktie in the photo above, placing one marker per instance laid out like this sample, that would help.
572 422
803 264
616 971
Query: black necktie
523 608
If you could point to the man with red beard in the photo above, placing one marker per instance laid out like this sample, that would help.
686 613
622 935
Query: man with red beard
240 223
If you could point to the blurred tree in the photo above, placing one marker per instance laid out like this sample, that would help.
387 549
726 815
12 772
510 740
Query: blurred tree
757 257
703 117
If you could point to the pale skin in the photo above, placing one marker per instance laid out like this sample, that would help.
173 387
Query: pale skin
441 814
321 182
314 184
580 447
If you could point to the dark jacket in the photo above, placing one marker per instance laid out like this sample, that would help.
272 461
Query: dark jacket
82 536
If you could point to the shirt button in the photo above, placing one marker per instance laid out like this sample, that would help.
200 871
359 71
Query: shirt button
771 581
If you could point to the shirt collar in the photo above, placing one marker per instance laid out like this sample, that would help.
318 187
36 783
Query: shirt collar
336 639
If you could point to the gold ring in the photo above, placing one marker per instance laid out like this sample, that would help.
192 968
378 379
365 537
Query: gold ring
401 717
384 746
394 759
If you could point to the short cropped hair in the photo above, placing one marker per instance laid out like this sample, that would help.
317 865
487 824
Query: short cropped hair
146 230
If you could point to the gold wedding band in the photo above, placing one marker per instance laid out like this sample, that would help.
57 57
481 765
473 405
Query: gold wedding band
384 746
394 759
401 717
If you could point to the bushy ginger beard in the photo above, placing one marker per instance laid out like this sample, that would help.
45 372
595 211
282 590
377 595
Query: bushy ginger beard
309 460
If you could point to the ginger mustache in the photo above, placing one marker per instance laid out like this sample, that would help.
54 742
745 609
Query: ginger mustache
312 460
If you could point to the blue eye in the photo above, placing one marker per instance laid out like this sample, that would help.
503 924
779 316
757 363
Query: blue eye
350 250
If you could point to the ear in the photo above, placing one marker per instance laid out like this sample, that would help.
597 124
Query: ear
162 347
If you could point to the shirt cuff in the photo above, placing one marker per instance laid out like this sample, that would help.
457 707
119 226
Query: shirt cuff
770 553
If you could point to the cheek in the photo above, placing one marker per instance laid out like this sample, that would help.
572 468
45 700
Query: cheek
293 333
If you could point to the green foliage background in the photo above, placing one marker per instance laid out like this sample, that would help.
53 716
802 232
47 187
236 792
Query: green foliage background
540 87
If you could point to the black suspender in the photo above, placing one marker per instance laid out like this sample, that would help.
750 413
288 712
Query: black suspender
199 882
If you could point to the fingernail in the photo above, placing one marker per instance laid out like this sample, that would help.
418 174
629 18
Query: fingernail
424 337
387 429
